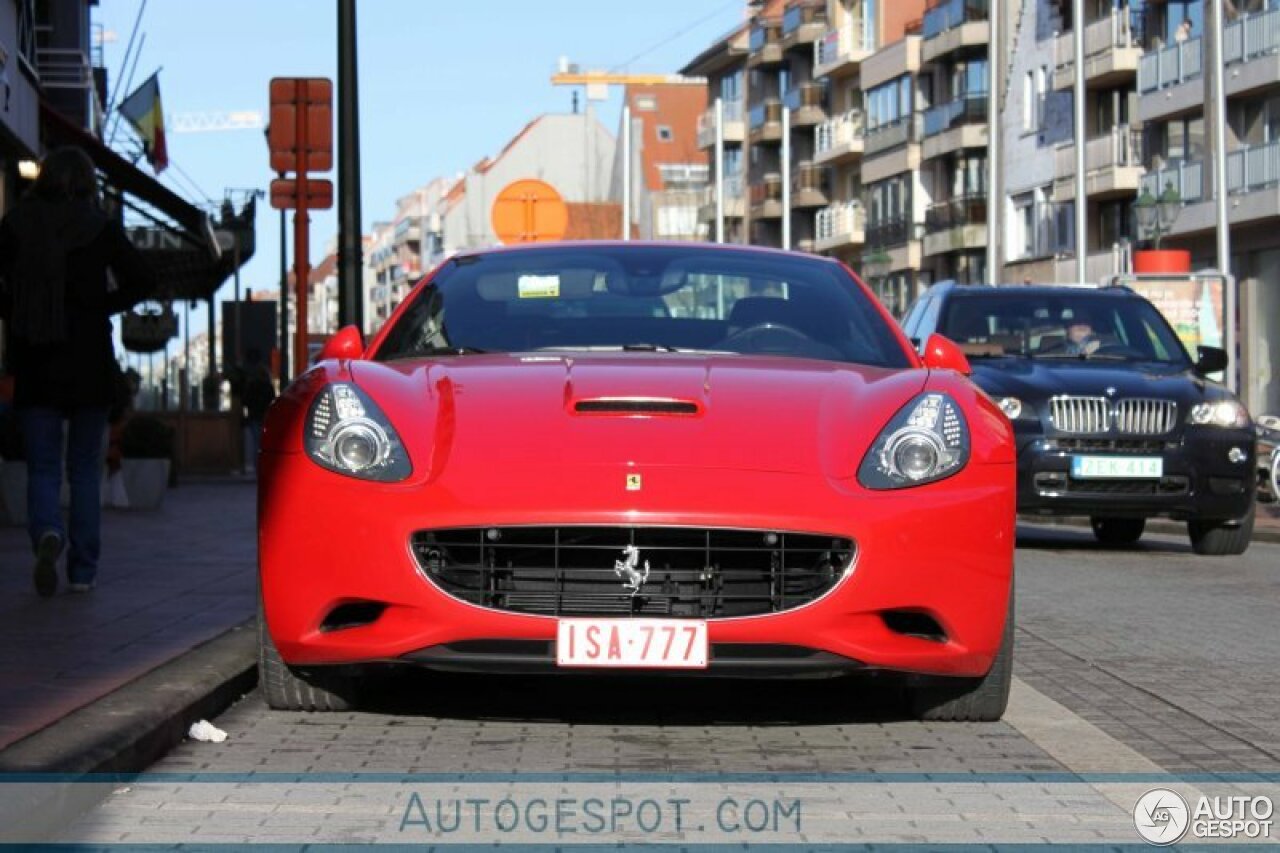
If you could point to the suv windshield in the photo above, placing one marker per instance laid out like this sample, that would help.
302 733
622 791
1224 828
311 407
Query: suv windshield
1077 324
644 298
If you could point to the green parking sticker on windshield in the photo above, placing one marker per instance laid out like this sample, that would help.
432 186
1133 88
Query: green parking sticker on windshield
538 286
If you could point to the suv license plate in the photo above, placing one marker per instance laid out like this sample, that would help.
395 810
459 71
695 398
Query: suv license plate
632 643
1117 467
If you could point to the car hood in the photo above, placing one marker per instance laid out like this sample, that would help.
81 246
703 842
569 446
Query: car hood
513 412
1036 380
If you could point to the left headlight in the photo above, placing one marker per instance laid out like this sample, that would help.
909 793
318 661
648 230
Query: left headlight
347 433
926 441
1222 413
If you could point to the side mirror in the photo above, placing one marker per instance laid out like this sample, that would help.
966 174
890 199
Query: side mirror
941 354
347 342
1211 360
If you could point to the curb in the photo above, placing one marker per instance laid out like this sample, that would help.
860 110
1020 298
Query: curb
1267 531
123 732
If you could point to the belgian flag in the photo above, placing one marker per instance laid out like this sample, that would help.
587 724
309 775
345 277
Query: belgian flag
142 109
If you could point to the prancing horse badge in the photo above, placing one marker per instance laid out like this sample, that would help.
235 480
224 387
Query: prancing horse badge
633 483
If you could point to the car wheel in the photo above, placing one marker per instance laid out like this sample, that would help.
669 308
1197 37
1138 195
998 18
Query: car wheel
1117 531
288 689
973 700
1221 538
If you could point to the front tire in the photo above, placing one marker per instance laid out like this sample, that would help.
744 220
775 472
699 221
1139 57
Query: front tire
1219 538
288 689
970 700
1117 531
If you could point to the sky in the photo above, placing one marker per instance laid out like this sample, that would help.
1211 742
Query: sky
442 84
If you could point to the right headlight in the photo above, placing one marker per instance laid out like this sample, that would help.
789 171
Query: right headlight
1222 413
348 434
926 441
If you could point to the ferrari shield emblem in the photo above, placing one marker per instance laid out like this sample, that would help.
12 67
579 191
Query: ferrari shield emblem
633 483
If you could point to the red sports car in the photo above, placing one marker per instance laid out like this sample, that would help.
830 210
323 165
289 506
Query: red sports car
667 457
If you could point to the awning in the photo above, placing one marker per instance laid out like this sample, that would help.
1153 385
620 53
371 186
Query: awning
125 176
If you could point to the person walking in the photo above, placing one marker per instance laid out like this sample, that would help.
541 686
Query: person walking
56 249
257 392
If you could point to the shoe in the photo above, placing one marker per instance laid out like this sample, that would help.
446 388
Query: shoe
80 587
48 550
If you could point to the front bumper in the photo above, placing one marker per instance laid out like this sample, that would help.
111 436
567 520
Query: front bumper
944 549
1199 480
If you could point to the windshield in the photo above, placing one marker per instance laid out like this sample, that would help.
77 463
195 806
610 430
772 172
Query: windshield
1081 325
644 298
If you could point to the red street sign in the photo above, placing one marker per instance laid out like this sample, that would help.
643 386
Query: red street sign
284 194
314 95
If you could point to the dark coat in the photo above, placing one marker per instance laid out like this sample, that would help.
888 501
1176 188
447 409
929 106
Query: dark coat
81 370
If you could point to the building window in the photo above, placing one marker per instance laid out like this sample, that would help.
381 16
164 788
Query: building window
888 103
664 133
646 103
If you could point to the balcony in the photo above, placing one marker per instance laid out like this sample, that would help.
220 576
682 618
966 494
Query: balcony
1111 54
1113 165
1253 187
1169 80
953 24
956 225
764 122
766 197
839 226
803 22
898 240
839 140
733 130
808 185
765 44
959 123
1251 47
891 149
734 200
841 51
1253 167
808 104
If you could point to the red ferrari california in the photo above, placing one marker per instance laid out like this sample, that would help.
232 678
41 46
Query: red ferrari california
639 457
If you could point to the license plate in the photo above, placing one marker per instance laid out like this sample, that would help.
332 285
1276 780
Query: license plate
1117 467
632 643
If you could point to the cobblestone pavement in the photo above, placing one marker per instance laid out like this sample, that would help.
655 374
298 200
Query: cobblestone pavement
1148 661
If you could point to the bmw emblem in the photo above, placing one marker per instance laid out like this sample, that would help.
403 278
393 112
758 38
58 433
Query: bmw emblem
1111 391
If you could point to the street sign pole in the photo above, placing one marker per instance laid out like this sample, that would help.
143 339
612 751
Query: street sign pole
301 232
350 247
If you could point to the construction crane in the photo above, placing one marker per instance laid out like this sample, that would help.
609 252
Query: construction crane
215 122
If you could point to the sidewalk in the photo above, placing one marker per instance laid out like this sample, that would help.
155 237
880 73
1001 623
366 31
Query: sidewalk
169 581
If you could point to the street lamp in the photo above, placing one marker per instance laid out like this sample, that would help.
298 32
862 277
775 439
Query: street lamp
1156 216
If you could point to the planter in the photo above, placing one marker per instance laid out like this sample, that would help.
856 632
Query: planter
145 481
13 493
1166 261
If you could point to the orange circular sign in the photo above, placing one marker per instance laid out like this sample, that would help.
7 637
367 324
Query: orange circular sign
529 211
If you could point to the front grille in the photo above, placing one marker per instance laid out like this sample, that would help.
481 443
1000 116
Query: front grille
1098 415
1080 414
1146 417
581 571
1168 485
1124 445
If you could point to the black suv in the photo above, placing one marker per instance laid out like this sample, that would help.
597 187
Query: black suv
1112 418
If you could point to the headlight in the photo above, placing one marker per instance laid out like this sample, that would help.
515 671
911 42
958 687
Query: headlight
1011 406
348 434
926 441
1223 413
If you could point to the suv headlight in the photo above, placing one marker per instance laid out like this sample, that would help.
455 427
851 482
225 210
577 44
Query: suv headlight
1011 406
1222 413
347 433
926 441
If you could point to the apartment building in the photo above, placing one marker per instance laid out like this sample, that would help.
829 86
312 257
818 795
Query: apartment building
1171 94
669 169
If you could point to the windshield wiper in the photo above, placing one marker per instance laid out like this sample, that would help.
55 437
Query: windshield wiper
426 352
636 347
647 347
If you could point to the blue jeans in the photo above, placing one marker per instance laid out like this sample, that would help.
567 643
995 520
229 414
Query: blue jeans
42 436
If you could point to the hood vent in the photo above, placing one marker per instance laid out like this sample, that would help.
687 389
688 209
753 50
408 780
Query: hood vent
635 406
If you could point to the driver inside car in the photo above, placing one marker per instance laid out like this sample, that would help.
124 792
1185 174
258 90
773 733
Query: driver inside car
1081 339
